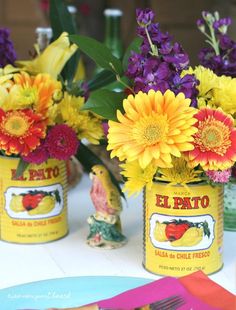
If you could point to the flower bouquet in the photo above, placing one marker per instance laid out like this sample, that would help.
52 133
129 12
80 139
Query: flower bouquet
173 129
220 58
173 116
42 125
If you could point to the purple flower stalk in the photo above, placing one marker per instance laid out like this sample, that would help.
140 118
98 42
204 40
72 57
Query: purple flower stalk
7 51
159 63
220 56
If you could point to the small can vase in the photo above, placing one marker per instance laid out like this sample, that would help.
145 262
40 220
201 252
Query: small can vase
230 206
33 207
183 229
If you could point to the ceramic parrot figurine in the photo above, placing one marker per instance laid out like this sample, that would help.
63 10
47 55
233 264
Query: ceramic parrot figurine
104 194
105 225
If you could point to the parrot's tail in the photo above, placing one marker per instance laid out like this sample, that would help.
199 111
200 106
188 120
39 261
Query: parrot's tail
118 224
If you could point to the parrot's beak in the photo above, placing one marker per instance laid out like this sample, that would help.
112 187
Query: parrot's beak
91 175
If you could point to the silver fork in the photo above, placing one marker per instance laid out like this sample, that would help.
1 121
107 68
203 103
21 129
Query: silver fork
169 303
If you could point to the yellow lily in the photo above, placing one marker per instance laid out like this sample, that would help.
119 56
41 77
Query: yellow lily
52 59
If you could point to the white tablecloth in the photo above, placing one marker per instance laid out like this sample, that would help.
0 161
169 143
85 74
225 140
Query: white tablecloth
71 256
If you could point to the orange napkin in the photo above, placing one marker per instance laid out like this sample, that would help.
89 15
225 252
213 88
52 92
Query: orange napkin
199 285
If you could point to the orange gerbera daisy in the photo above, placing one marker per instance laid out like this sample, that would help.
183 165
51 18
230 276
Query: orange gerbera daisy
20 131
215 141
40 90
154 127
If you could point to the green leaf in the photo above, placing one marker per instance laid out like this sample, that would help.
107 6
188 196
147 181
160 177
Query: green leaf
22 166
206 229
105 103
61 20
88 159
71 67
57 196
101 79
98 52
134 46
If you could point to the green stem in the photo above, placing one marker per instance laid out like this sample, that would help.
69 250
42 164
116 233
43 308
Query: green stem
118 78
153 47
214 41
207 35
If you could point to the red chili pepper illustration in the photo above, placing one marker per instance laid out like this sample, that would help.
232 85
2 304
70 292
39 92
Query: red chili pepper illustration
31 201
175 231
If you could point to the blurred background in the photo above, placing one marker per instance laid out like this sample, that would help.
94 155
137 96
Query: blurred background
177 17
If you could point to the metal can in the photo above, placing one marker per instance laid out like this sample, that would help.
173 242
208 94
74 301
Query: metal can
33 207
183 229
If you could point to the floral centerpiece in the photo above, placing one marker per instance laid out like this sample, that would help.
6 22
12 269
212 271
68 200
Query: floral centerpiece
42 125
173 129
177 122
220 58
39 118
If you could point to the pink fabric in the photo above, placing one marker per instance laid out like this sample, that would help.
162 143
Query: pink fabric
153 292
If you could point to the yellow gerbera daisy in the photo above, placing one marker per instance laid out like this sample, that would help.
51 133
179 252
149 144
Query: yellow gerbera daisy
179 174
154 127
85 123
137 178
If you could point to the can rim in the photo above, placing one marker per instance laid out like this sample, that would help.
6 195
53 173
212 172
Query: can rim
201 183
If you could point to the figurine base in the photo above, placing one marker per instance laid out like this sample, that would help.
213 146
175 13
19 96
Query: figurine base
106 245
105 235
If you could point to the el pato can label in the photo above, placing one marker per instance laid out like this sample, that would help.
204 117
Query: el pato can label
183 229
33 207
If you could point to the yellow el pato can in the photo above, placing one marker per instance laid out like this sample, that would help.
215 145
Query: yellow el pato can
33 207
183 229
